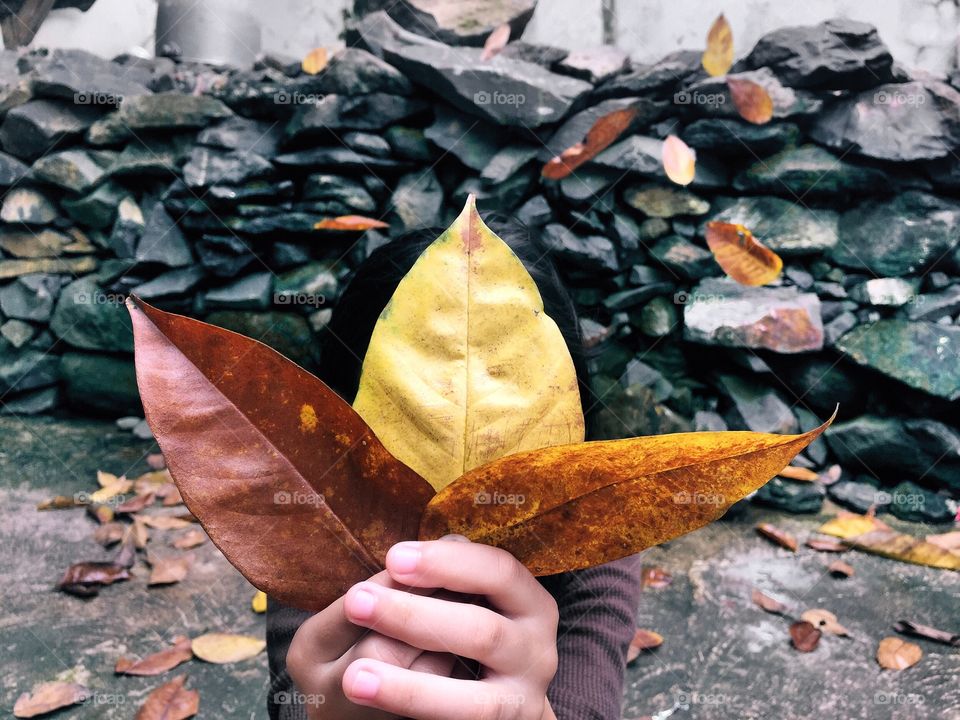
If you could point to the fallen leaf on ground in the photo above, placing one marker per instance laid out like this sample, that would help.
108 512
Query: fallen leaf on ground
226 648
840 568
718 57
896 654
315 61
831 475
948 541
120 487
164 522
655 577
679 161
60 502
127 554
169 495
740 256
825 621
847 525
751 100
259 602
170 701
101 513
602 134
355 223
778 536
190 539
643 640
110 533
105 479
159 662
166 571
495 42
155 461
930 633
805 636
866 533
47 697
826 545
768 603
138 533
135 504
85 578
792 472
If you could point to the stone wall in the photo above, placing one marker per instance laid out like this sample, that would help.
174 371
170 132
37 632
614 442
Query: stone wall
198 188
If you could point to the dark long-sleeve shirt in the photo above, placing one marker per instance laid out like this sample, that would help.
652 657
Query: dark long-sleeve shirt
597 619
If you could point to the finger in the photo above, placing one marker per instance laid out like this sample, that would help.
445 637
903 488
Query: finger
427 697
383 648
438 625
470 568
433 663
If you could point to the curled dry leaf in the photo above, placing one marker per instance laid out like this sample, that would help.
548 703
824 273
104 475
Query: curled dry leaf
135 504
778 536
947 541
85 578
825 621
499 379
159 662
164 522
826 545
48 697
655 577
840 568
595 502
259 602
804 636
718 57
60 502
166 571
155 461
315 61
105 479
602 134
223 648
740 256
751 100
802 474
925 631
679 161
896 654
109 534
768 603
261 449
127 554
170 701
354 223
139 534
868 534
643 640
190 539
169 495
495 42
101 513
107 492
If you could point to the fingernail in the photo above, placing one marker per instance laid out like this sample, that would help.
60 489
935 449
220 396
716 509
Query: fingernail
365 685
362 603
456 538
404 557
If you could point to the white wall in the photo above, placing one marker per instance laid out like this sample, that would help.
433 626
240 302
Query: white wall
921 33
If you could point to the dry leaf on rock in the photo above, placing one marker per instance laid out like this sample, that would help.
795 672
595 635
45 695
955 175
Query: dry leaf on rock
802 474
109 534
740 256
826 545
259 602
655 577
778 536
48 697
804 636
896 654
679 161
60 502
925 631
495 42
751 100
170 701
101 513
643 640
166 571
825 621
135 504
768 603
107 492
866 533
948 541
353 223
315 61
190 539
840 568
718 57
159 662
164 522
226 648
85 578
602 134
105 479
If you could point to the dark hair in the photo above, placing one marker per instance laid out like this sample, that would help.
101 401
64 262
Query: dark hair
348 333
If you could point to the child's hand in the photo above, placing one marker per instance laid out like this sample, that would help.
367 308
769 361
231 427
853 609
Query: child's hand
515 644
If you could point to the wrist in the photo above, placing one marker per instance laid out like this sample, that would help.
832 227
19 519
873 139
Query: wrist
548 713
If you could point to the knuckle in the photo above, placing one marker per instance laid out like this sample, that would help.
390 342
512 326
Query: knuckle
383 649
490 637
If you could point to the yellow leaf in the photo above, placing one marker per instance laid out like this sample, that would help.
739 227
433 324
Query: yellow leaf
105 479
848 525
463 365
105 493
896 654
226 648
866 533
259 602
718 57
679 161
740 256
315 61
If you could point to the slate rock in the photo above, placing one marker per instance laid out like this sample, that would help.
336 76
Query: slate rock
928 306
28 206
16 332
74 170
664 201
817 450
594 64
337 188
418 200
809 170
353 70
287 333
207 166
721 312
96 209
150 156
30 266
11 170
634 296
792 497
312 285
896 122
338 159
174 283
224 255
34 128
162 111
788 228
100 384
33 402
658 318
350 112
364 142
858 496
30 297
593 253
920 354
88 317
644 155
253 292
838 327
26 369
708 421
884 292
84 78
408 143
632 412
244 135
127 228
711 96
902 235
535 212
910 502
471 141
761 407
467 22
731 136
683 258
660 78
837 54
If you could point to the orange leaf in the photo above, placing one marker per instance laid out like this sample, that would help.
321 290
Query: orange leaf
655 577
718 57
47 697
355 223
805 636
840 568
826 545
866 533
170 701
643 640
167 571
768 603
496 41
799 473
159 662
780 537
601 135
751 100
896 654
315 61
679 161
740 256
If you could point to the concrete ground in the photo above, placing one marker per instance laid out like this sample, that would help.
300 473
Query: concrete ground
722 657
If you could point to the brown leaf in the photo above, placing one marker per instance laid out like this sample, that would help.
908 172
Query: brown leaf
896 654
948 541
139 533
101 513
495 42
768 603
159 662
135 504
643 640
166 571
170 701
602 134
740 256
825 621
355 223
718 57
925 631
679 161
751 99
85 578
164 522
868 534
109 534
259 442
826 545
315 61
831 475
127 555
802 474
155 461
655 577
840 568
190 539
170 495
805 636
780 537
60 502
573 506
47 697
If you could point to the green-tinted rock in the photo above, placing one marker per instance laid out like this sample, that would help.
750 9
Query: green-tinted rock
311 286
22 370
74 170
760 406
33 402
88 317
163 111
726 136
250 293
287 333
920 354
408 143
16 332
790 496
97 209
664 202
809 170
336 188
633 411
684 258
658 317
788 228
909 501
104 384
27 206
